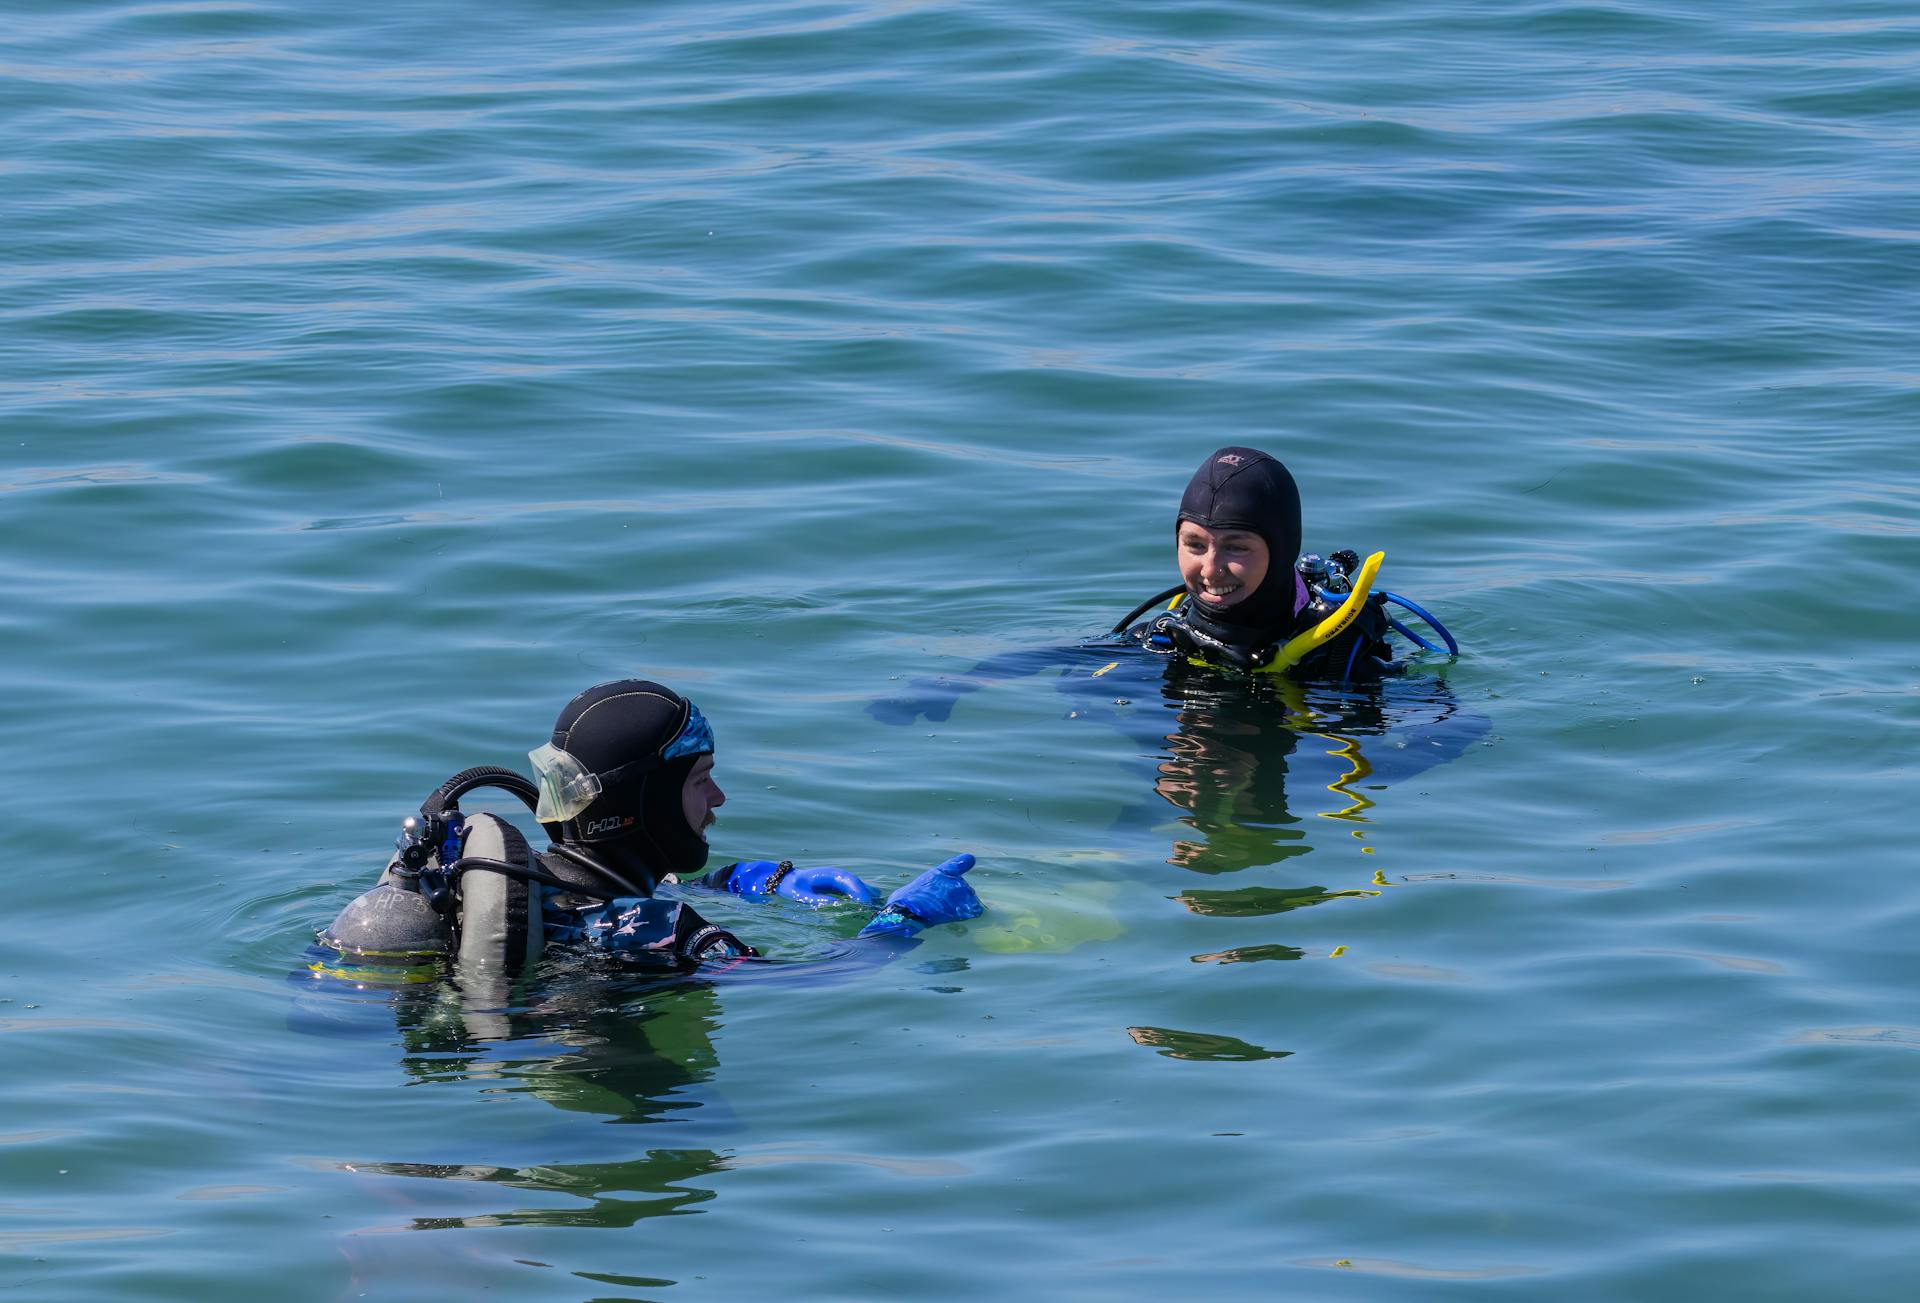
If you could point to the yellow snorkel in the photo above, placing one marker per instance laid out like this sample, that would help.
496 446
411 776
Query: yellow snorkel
1331 627
1297 648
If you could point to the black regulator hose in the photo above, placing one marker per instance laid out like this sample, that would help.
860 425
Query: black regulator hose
594 864
508 780
1141 609
467 863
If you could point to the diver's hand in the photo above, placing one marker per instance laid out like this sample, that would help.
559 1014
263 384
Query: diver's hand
940 895
933 698
745 878
815 886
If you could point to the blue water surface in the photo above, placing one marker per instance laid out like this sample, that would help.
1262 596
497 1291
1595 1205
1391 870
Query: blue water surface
375 377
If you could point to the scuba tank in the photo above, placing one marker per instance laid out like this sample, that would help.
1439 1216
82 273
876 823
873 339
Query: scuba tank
405 927
391 925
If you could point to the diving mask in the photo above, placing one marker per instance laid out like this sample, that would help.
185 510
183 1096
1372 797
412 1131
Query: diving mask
566 786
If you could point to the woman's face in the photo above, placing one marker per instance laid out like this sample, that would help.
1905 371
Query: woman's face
1221 567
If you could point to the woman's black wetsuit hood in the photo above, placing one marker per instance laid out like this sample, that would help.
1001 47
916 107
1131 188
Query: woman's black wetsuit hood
1244 488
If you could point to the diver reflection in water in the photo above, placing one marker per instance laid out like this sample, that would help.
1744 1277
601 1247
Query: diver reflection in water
586 1035
1250 764
1260 669
1225 767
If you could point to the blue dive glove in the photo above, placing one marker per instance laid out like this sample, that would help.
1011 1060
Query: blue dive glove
940 895
815 886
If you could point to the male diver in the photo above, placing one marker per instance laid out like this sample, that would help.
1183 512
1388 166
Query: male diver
625 790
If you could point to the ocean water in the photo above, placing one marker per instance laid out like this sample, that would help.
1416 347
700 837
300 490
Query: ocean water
375 377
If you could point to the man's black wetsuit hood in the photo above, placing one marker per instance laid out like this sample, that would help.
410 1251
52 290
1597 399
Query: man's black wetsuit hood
1244 488
642 740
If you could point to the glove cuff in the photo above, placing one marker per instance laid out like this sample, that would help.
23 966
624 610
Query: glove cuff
911 915
894 921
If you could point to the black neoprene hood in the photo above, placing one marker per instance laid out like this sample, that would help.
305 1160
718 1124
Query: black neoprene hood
631 722
1244 488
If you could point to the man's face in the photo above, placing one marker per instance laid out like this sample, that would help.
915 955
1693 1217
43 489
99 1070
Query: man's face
1221 567
701 796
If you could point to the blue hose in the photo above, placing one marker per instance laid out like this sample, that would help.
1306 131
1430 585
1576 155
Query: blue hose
1452 647
1352 656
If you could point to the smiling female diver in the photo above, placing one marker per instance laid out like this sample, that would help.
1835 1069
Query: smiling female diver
1206 701
1243 603
625 789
